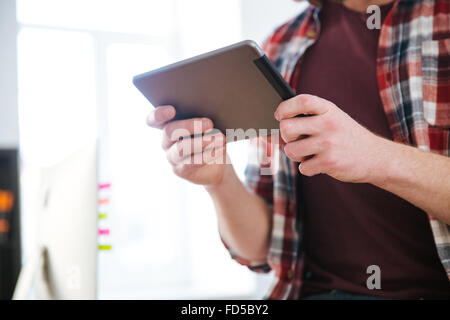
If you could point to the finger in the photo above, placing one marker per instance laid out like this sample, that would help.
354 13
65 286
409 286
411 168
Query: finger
301 104
300 149
191 146
160 115
305 158
208 156
175 130
215 155
185 170
310 167
293 128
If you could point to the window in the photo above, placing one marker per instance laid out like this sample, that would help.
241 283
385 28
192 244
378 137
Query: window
76 61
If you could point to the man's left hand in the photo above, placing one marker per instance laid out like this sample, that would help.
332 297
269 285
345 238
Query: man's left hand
328 141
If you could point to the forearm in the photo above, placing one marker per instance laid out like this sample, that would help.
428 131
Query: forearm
244 218
422 178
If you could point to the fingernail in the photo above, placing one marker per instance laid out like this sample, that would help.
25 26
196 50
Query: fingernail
276 115
169 112
163 114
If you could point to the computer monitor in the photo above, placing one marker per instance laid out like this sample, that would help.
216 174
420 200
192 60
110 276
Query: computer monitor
64 265
10 247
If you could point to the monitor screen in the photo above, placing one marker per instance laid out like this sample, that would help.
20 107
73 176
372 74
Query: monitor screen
10 248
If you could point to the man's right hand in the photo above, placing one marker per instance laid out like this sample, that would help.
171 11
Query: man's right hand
200 159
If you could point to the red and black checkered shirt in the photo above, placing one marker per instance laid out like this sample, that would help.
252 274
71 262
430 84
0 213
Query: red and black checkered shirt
413 70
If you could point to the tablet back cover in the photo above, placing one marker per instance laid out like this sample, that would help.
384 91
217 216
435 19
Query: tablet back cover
233 86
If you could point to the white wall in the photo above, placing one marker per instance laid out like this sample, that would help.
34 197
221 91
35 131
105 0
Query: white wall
261 17
9 128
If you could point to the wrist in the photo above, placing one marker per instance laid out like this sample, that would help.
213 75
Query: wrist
388 165
228 180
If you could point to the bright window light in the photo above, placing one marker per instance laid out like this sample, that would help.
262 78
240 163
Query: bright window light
146 221
57 93
148 17
76 63
208 24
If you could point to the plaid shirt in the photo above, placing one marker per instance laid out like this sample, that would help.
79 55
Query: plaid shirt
413 70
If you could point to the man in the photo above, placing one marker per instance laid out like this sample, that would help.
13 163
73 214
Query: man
359 205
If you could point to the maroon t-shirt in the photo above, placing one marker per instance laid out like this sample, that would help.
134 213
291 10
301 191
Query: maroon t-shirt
349 227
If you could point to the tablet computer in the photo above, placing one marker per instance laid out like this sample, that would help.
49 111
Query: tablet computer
237 87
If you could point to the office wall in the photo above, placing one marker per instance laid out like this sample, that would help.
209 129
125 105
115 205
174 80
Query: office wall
260 17
9 128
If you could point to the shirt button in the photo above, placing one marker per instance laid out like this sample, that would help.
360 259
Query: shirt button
311 34
308 275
